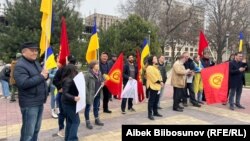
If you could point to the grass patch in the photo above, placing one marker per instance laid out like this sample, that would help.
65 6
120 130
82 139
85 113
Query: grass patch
247 75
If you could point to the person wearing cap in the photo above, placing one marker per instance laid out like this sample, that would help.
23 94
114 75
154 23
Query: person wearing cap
12 80
30 80
113 60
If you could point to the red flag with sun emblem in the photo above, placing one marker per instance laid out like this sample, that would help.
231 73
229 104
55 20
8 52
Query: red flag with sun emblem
114 78
138 77
215 82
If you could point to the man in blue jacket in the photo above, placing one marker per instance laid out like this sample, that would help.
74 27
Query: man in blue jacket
32 89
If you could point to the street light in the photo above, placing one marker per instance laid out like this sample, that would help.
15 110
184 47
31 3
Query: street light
149 32
227 35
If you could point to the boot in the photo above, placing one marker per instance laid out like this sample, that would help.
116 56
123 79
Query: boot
98 122
88 124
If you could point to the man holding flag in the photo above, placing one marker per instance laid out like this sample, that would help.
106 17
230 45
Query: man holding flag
32 90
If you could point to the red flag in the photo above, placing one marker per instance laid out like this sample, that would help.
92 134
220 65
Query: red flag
202 44
138 77
114 78
215 82
64 45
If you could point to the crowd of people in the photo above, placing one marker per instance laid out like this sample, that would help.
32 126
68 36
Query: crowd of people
31 79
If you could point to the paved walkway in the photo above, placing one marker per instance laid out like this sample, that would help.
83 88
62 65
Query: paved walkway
10 119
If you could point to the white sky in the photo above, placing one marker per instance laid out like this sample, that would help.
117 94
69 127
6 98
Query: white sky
109 7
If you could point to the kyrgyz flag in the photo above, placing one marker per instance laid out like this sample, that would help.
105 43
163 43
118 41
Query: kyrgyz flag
215 82
138 77
202 43
114 78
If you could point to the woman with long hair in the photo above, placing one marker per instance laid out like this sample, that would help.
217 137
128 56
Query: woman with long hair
153 84
69 99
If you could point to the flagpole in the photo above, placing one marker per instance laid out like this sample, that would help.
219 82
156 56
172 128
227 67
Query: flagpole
45 55
211 53
98 51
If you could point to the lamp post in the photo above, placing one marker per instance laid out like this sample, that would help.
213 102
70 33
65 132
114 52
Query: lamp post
227 35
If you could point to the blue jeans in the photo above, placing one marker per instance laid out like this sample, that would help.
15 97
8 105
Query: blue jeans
61 115
72 122
6 88
53 103
96 105
31 119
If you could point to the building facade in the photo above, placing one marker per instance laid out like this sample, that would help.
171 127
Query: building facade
102 21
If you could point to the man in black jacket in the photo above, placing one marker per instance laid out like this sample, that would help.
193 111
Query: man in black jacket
32 89
105 68
130 71
162 68
236 72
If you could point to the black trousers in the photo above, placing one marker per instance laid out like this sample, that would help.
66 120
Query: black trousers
153 102
190 90
178 95
124 102
106 97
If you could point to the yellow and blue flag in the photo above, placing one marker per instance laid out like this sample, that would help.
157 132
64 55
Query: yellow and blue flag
50 62
145 52
241 41
46 8
93 45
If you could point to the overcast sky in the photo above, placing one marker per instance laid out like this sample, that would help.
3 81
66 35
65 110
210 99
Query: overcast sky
101 6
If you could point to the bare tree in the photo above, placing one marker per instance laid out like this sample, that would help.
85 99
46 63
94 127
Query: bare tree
178 25
147 9
226 17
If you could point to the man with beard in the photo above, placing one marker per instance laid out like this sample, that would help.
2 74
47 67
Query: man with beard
130 71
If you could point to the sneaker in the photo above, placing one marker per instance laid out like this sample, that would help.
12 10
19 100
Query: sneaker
53 114
8 97
61 133
2 97
123 112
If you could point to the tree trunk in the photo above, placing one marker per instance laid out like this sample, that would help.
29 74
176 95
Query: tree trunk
219 55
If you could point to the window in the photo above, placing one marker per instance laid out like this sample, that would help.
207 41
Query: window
191 49
191 54
167 53
186 49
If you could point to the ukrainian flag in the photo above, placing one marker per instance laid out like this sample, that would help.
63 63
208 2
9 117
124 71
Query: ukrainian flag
145 52
93 45
241 41
46 8
50 59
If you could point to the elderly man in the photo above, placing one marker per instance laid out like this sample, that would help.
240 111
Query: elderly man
179 74
32 89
